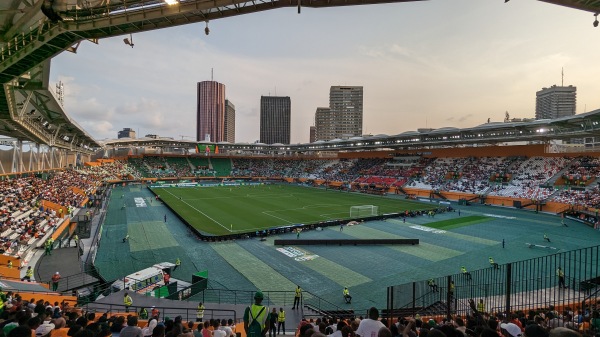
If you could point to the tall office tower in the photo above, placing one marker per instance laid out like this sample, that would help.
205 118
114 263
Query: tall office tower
323 124
312 134
126 133
229 121
275 119
210 121
344 118
555 102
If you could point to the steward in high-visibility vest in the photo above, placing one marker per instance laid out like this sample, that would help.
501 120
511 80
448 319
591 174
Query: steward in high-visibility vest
347 296
256 317
297 297
281 321
200 312
128 301
481 306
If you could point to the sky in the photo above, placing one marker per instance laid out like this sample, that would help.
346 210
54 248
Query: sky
422 64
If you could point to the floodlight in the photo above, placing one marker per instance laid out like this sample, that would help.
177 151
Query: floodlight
596 20
171 2
206 30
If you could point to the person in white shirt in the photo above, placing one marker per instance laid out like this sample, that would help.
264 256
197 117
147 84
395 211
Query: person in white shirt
218 332
224 327
369 327
338 332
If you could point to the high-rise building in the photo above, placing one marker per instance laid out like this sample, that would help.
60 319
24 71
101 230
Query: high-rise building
275 119
229 122
210 122
323 124
312 135
344 117
126 133
555 102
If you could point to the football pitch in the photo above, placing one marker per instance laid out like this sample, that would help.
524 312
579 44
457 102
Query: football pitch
224 210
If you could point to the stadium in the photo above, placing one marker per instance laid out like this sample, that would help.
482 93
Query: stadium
497 221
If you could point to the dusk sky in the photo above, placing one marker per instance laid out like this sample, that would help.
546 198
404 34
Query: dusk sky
424 64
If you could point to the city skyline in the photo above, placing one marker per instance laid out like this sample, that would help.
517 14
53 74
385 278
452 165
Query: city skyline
424 64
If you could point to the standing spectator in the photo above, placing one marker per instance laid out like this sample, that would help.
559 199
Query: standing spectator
132 330
369 327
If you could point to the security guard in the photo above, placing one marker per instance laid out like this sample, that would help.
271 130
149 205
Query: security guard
143 313
347 296
464 271
561 278
297 298
281 321
177 264
9 264
128 301
493 264
200 312
481 306
256 317
28 274
432 285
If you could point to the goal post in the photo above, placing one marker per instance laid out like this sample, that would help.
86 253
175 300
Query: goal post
363 211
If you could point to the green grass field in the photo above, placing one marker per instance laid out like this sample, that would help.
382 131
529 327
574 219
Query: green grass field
460 222
227 210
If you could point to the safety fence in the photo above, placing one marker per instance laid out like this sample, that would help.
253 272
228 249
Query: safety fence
566 279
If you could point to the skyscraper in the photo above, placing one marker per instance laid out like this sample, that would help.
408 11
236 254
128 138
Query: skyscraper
210 122
229 121
275 119
343 119
555 102
312 135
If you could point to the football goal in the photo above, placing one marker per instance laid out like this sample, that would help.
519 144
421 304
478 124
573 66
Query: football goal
364 210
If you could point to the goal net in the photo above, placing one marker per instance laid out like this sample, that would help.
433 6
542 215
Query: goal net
362 211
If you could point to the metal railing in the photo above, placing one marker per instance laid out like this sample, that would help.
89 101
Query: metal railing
187 314
521 285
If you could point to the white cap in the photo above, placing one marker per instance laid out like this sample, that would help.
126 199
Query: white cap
56 273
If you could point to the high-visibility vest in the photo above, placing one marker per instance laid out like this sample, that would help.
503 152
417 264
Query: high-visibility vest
491 261
346 292
29 272
452 287
281 316
200 311
559 273
127 300
480 307
258 313
9 264
431 282
298 292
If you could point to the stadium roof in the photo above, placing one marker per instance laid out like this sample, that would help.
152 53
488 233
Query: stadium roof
565 128
33 31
